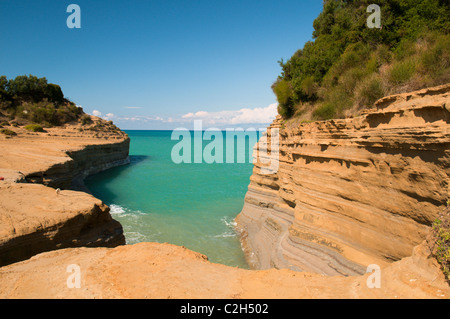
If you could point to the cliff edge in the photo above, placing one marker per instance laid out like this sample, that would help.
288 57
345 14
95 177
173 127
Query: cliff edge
351 192
34 216
159 271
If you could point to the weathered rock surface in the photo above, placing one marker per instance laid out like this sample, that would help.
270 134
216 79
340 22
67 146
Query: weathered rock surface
348 193
353 192
33 217
61 158
151 270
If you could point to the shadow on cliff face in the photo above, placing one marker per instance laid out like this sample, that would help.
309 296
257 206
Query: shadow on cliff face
428 114
136 159
98 183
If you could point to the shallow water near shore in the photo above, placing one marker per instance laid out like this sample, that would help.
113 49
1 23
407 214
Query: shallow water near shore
191 205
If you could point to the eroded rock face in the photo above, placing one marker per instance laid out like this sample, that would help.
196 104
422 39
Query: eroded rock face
353 192
35 218
80 162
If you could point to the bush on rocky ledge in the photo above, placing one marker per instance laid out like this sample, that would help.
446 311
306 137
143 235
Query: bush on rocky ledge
441 241
8 132
34 128
33 99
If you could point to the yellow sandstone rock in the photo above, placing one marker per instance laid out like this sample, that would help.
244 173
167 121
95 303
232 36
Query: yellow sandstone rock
351 192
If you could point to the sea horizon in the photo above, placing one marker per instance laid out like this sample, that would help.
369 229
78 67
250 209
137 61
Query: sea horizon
188 204
213 129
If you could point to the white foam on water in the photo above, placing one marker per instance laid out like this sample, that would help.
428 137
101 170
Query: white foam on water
116 209
231 225
120 212
123 211
225 235
134 237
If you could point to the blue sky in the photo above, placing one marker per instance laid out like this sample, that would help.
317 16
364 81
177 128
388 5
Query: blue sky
159 64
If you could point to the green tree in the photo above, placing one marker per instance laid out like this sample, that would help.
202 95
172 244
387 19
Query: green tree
345 52
31 98
4 88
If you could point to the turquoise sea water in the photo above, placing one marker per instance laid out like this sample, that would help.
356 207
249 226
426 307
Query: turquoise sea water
193 205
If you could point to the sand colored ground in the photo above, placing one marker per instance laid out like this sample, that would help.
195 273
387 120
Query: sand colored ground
31 152
151 270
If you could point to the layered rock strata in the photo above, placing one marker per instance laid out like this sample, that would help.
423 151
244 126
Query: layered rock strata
62 160
352 192
34 216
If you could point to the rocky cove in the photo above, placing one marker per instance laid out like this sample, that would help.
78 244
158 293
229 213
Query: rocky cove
34 217
348 193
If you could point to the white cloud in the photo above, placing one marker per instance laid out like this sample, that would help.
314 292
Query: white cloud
198 115
244 116
256 115
188 116
259 115
109 116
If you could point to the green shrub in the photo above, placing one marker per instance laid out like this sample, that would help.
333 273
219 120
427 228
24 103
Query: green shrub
441 241
435 60
7 132
309 86
283 93
33 89
402 71
335 100
33 99
380 56
349 80
369 91
325 112
34 128
86 119
349 63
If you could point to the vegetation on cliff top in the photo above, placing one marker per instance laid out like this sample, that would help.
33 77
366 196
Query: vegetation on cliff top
35 104
33 99
348 66
441 241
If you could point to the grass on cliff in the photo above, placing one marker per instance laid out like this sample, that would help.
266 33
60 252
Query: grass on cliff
35 104
34 128
29 99
7 132
441 241
348 66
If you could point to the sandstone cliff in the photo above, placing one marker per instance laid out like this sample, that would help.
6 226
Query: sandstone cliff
35 218
364 185
353 192
62 158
